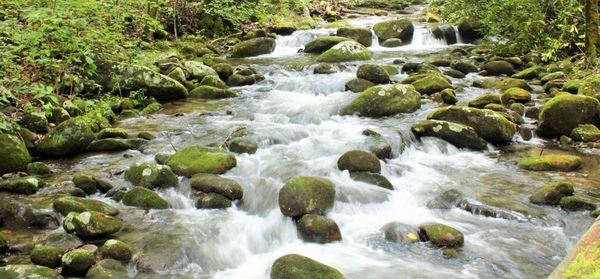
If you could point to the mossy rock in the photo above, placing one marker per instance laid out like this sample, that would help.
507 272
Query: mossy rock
448 96
212 201
46 255
359 161
488 124
318 229
552 193
372 178
107 133
579 109
294 266
509 83
15 155
498 68
35 122
93 225
224 70
68 204
400 233
430 83
212 183
391 43
532 72
345 51
402 29
144 198
210 92
486 83
373 73
442 235
151 176
470 29
107 269
111 145
575 203
553 76
385 100
116 249
3 244
518 95
321 44
590 86
586 133
485 99
238 79
464 67
7 126
462 136
200 159
30 271
198 70
358 85
571 86
253 47
303 195
77 262
361 35
213 81
21 185
564 163
243 145
68 138
85 182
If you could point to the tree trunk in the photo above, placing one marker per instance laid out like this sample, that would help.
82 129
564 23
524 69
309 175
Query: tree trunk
591 30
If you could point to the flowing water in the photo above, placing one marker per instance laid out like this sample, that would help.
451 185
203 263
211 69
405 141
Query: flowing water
294 116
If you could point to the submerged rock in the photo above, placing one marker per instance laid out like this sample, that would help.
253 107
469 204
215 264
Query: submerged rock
319 229
212 183
294 266
575 203
345 51
243 145
359 161
461 136
212 201
488 124
551 163
373 73
144 198
303 195
107 269
66 205
442 235
552 193
400 233
201 159
253 47
151 176
322 44
385 100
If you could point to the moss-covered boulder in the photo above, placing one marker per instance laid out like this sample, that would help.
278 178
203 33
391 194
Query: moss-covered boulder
508 83
551 163
358 85
303 195
198 70
294 266
442 235
518 95
29 271
485 99
35 122
429 83
213 81
85 182
373 73
400 233
462 136
391 43
345 51
552 193
107 269
46 255
372 178
108 133
77 262
15 156
488 124
224 70
553 120
530 73
590 86
212 201
402 29
498 68
361 35
359 161
151 175
470 29
21 185
253 47
7 126
385 100
210 92
576 203
243 145
70 137
586 133
464 67
111 145
144 198
318 229
93 224
117 250
201 159
212 183
38 169
68 204
321 44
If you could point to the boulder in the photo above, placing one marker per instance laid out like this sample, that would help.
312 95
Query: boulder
448 96
224 70
462 136
580 109
442 235
35 122
107 269
509 83
253 47
198 70
529 73
111 145
358 85
66 205
201 159
28 271
446 33
552 193
109 133
391 43
212 183
209 92
361 35
359 161
372 178
553 76
7 126
318 229
345 51
68 138
402 29
21 185
590 86
429 83
16 216
294 266
116 249
485 99
212 201
385 100
446 200
470 29
303 195
464 67
45 255
92 224
373 73
213 81
15 156
86 183
488 124
144 198
586 133
498 68
77 262
321 44
564 163
575 203
243 145
325 69
151 176
400 233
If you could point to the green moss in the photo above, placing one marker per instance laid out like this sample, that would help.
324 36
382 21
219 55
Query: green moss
461 136
152 108
442 235
7 126
508 83
580 109
144 198
28 271
77 262
213 81
551 163
210 92
253 47
586 133
306 195
586 265
488 124
15 155
431 83
117 250
345 51
300 267
65 205
200 159
113 133
47 255
361 35
21 185
70 137
515 95
38 168
590 86
323 43
151 175
529 73
385 100
338 24
552 193
485 99
395 29
93 225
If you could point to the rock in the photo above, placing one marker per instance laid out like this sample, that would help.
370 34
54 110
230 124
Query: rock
461 136
441 235
575 203
77 262
508 83
402 29
45 255
446 200
126 78
358 85
552 76
379 147
372 178
400 233
429 83
199 71
485 99
488 124
294 266
110 145
373 73
242 80
85 182
144 198
580 109
551 163
107 269
21 185
469 29
212 183
325 69
590 86
552 193
498 68
253 47
209 92
224 70
200 159
29 271
529 73
212 201
68 138
446 33
3 244
391 43
152 108
29 138
517 108
151 176
213 81
318 229
448 96
464 67
15 155
385 100
38 169
571 86
17 215
303 195
486 83
66 205
243 145
112 133
36 122
515 95
92 224
345 51
361 35
117 250
7 126
586 133
359 161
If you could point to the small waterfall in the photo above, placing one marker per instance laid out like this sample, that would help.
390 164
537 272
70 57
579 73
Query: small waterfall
375 39
459 39
423 37
290 45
